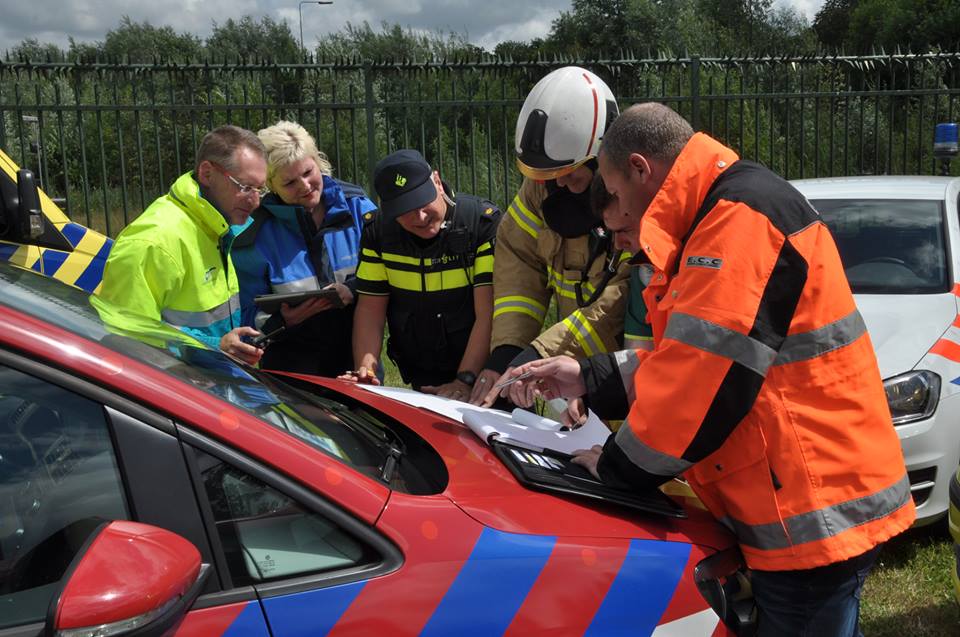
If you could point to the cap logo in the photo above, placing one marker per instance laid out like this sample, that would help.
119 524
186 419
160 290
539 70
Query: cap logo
400 181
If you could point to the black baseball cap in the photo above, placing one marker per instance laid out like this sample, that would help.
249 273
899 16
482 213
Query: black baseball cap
403 181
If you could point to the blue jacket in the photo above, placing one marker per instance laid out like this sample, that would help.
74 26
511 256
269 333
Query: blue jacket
281 251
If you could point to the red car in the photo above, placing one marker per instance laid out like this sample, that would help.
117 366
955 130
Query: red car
151 486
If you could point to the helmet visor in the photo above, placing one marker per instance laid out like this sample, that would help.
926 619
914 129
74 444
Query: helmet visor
546 174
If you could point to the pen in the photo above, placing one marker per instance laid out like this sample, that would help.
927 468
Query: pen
511 381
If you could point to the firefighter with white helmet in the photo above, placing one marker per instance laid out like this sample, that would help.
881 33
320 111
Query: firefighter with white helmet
551 243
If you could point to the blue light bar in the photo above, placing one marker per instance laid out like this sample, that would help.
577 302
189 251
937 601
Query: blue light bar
945 140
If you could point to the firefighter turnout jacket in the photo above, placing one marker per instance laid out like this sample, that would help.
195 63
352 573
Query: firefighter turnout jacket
535 263
430 284
173 263
762 389
283 251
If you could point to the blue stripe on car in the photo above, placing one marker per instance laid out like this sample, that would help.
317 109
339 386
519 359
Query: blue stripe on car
73 232
642 589
492 585
249 623
93 273
7 250
311 613
52 260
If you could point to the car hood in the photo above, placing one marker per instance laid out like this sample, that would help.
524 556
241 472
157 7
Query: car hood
904 327
483 488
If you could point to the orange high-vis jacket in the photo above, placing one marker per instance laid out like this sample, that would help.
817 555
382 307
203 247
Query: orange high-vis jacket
763 389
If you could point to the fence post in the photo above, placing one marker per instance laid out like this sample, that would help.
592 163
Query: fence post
695 92
371 134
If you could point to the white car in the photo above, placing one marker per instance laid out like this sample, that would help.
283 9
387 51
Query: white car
899 239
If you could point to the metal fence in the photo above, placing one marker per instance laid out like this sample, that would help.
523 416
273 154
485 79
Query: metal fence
107 138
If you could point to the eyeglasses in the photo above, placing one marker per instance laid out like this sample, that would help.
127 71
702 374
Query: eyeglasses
245 189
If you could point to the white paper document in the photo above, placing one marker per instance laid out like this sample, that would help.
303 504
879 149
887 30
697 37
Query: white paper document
525 428
508 428
453 409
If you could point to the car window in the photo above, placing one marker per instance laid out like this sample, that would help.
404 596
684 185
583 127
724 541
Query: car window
889 246
58 481
266 535
371 442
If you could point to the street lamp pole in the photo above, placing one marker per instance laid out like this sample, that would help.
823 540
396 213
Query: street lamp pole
300 11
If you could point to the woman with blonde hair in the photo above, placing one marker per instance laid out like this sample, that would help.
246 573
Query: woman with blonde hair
305 236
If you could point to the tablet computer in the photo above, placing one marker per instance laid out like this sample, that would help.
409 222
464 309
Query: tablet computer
270 303
552 471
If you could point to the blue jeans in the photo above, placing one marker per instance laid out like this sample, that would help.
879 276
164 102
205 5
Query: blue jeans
816 602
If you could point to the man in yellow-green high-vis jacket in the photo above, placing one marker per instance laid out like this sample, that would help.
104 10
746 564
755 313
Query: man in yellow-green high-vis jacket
173 262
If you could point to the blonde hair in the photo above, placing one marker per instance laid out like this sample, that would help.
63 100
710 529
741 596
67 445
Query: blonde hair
287 142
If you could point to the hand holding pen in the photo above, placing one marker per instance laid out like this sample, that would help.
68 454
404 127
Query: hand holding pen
547 378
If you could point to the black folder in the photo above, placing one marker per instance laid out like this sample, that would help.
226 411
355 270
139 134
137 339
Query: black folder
552 471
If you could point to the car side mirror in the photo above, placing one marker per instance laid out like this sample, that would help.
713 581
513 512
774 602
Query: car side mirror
31 214
128 579
22 219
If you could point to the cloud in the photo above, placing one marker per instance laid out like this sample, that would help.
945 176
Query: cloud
806 8
484 23
55 21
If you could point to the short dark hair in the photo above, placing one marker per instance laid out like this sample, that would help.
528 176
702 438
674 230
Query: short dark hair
651 129
220 144
600 198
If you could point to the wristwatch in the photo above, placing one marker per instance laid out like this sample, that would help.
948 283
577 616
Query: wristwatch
466 377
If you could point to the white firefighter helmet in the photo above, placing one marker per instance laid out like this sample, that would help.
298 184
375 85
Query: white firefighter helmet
562 122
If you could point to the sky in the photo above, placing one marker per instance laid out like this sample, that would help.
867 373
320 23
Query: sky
484 22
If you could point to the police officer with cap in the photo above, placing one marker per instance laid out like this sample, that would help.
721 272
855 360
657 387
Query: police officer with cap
426 268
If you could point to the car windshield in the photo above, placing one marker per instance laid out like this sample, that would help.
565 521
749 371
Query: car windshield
889 246
327 420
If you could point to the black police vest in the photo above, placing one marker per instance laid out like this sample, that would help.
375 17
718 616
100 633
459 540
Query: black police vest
429 330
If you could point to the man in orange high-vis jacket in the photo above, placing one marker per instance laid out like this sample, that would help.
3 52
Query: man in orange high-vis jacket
762 388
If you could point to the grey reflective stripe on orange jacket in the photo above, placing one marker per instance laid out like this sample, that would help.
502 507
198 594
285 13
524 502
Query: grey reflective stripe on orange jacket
648 458
807 345
719 340
822 523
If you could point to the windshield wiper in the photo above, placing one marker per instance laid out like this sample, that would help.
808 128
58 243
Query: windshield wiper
390 465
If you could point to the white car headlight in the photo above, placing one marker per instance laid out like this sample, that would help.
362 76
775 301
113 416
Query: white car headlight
912 396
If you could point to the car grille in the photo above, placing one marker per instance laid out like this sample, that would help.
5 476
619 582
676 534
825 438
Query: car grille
921 483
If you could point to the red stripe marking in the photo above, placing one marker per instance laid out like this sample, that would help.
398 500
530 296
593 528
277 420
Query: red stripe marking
210 622
956 321
956 289
570 589
947 349
436 540
596 114
686 599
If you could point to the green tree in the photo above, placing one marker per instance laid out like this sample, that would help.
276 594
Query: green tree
833 21
33 49
248 38
605 27
862 26
393 42
143 42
